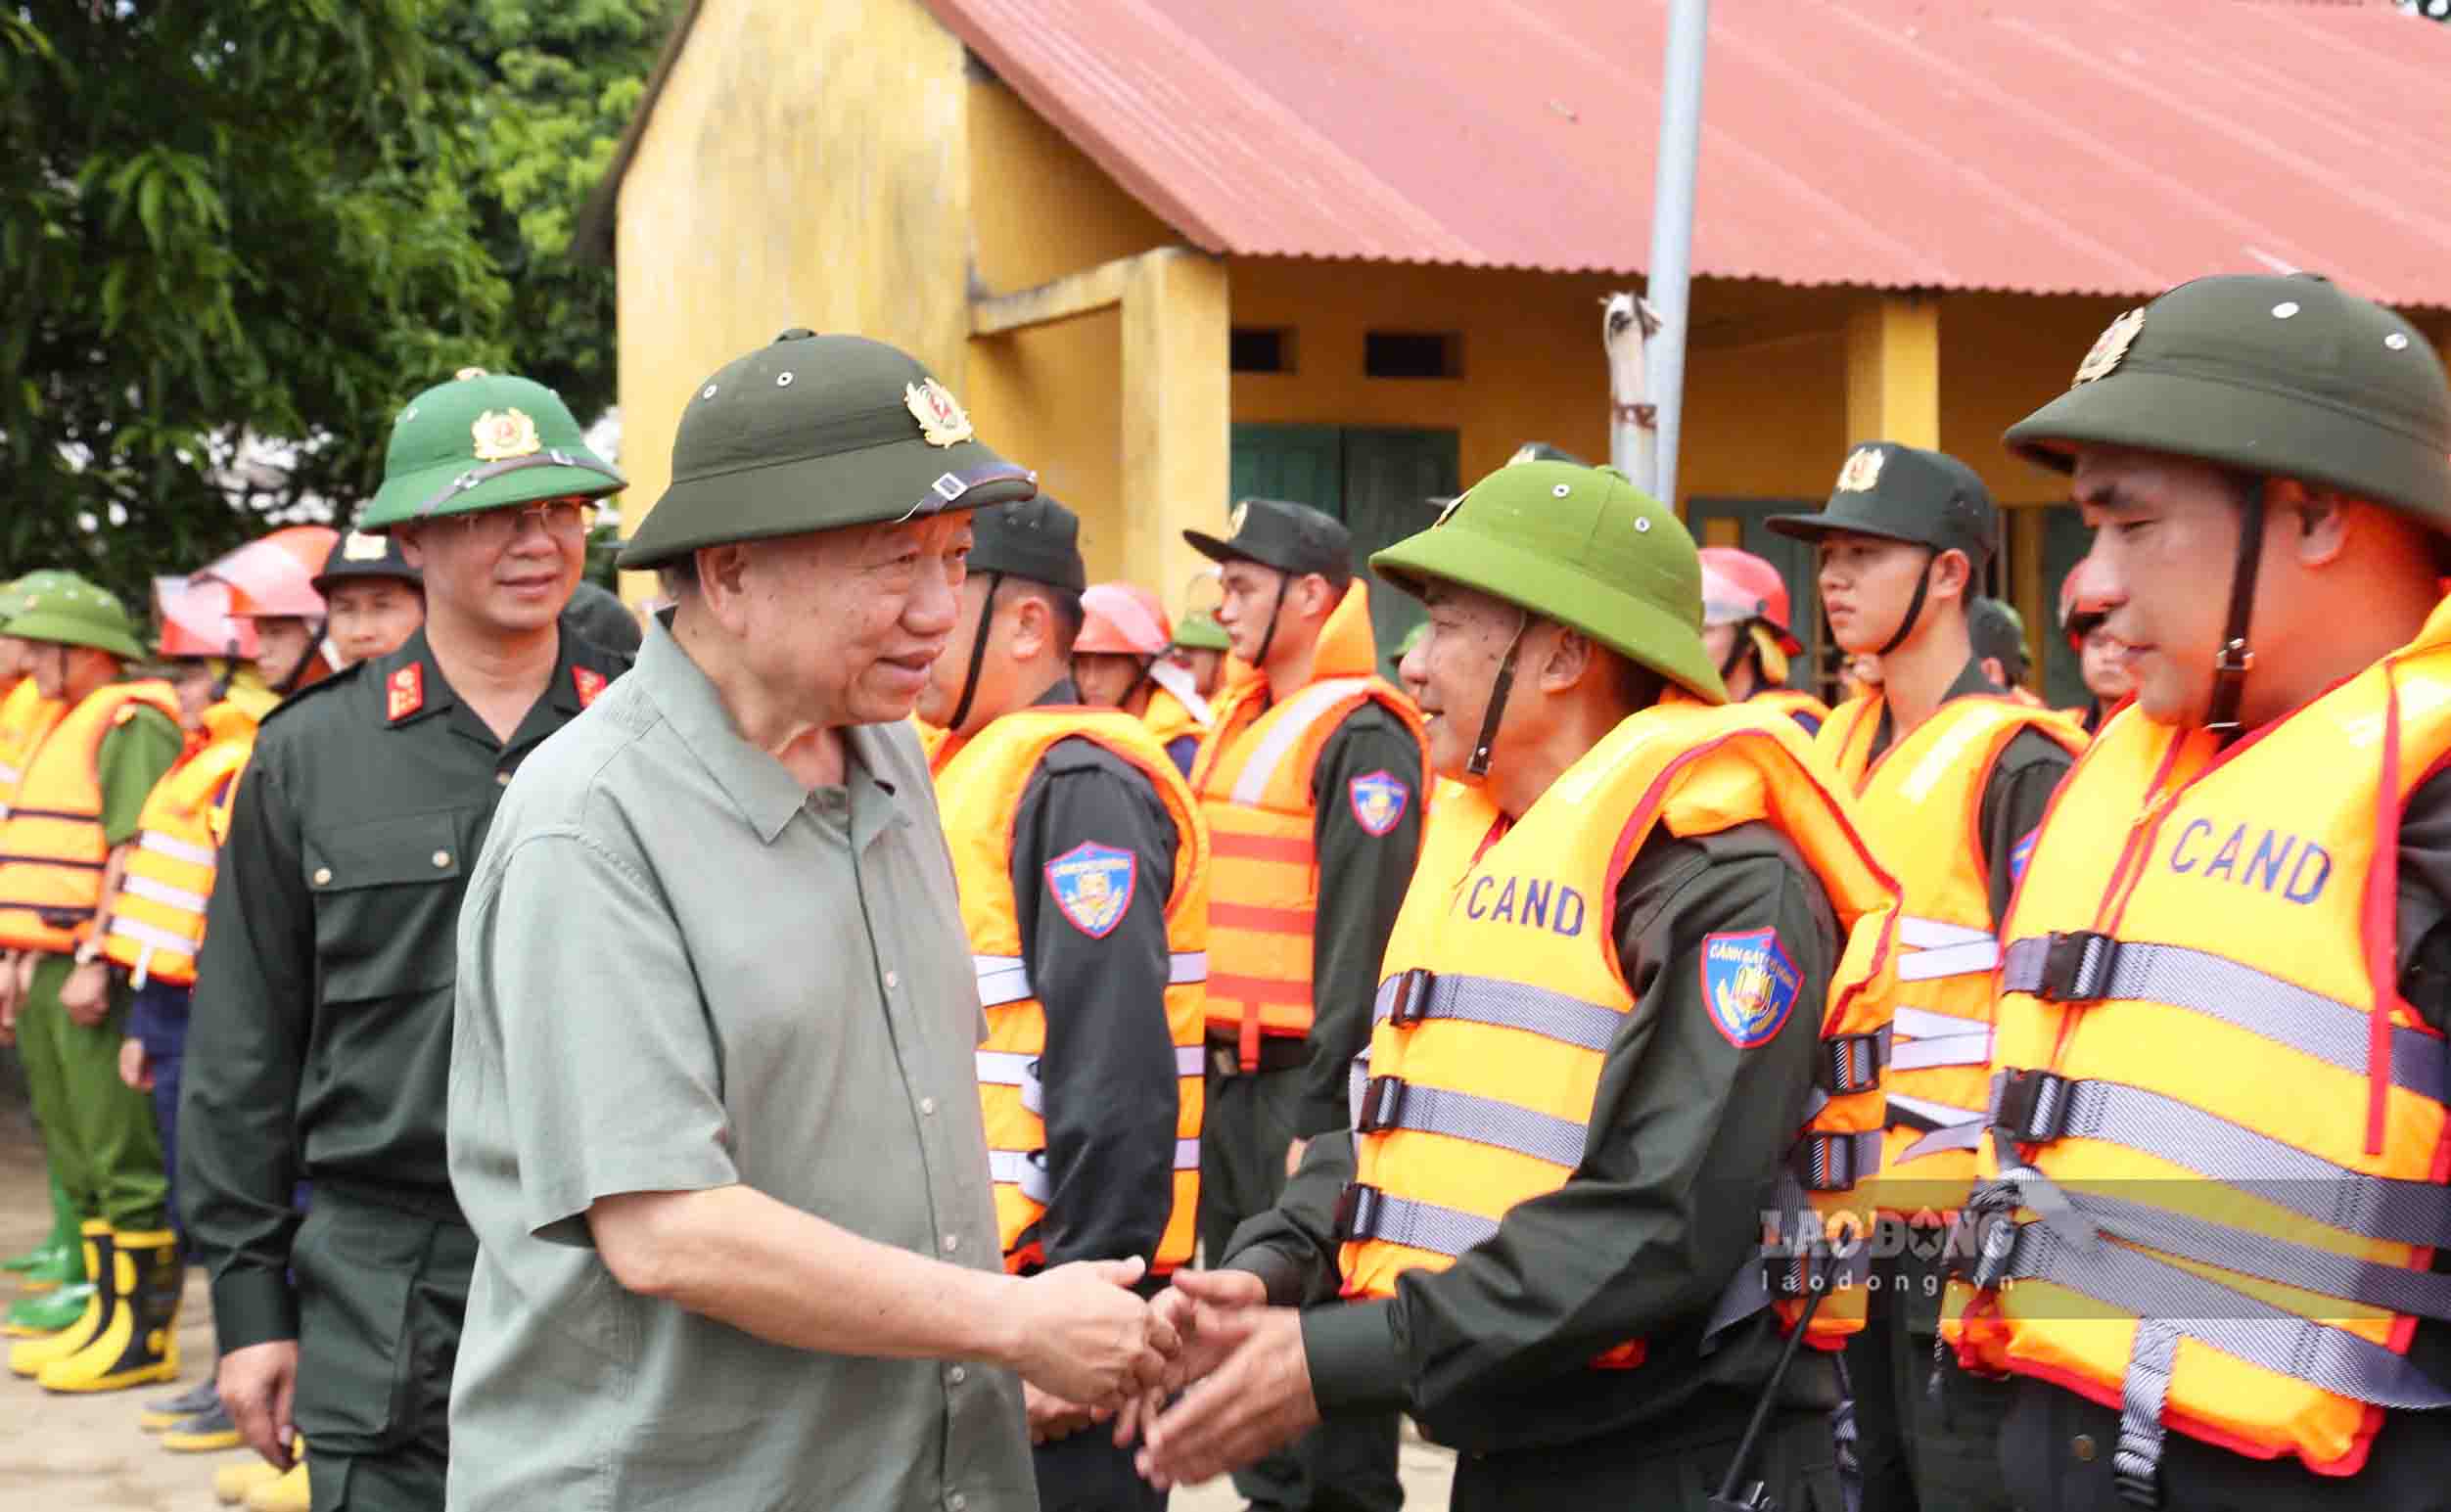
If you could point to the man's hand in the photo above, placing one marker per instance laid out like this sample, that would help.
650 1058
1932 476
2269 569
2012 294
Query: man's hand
135 1067
257 1386
1052 1417
86 993
1211 1311
1082 1335
1256 1402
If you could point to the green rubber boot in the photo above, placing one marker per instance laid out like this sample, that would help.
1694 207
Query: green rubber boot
31 1317
56 1261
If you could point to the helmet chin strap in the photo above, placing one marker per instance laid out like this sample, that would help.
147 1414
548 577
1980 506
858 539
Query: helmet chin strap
2236 659
1267 637
1736 650
1500 687
1914 607
978 656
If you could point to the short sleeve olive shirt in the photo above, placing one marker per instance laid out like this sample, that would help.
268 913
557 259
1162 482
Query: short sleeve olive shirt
679 970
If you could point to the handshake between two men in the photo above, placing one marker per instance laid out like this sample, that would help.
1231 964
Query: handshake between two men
1207 1377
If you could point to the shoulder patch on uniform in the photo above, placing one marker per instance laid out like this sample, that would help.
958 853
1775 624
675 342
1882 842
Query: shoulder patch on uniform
1750 985
404 693
1378 801
2021 853
589 682
1092 886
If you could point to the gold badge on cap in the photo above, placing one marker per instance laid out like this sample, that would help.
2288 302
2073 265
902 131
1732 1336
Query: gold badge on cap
465 374
503 435
1447 511
1233 522
942 421
1863 470
362 546
2110 347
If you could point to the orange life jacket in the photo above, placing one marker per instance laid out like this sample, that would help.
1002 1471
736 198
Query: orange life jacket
1797 705
979 790
1502 993
52 852
155 923
25 717
1922 805
2218 1155
1253 775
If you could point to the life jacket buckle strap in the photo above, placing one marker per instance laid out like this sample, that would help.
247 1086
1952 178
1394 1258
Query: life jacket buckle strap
2031 1104
1853 1063
1356 1212
1411 1001
2076 967
1382 1104
1836 1162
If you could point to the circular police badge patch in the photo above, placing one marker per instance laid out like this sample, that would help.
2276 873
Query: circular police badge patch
1750 985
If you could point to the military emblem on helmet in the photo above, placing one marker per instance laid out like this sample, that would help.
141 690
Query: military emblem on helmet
942 421
501 435
2110 347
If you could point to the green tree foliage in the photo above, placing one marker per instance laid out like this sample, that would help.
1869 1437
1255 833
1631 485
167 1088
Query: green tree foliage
235 236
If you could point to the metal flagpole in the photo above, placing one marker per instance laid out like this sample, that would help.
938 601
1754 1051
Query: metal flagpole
1672 228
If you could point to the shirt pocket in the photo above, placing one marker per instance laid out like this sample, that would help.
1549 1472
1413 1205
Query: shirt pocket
387 904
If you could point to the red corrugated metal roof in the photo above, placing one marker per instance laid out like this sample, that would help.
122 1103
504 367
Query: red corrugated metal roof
2087 146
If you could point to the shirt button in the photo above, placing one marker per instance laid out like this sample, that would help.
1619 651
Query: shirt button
2082 1446
893 980
442 859
957 1375
927 1105
502 779
323 876
951 1242
957 1501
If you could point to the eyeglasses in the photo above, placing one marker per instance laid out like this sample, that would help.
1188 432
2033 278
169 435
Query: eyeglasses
560 520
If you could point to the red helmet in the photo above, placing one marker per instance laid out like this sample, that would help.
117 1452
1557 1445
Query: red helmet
1738 586
274 575
1123 619
2081 607
196 619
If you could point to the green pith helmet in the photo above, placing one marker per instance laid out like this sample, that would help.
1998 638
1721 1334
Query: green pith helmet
484 440
69 610
1582 546
1198 630
2282 375
1904 493
816 433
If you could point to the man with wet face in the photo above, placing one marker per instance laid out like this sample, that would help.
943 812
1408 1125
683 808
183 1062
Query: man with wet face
714 1104
2211 1191
319 1036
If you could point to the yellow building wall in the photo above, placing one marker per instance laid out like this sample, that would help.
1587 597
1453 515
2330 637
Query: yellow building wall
805 166
1042 208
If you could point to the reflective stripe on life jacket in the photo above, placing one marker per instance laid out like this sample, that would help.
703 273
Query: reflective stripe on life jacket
51 851
1503 993
2213 1185
156 921
1920 805
980 783
1253 775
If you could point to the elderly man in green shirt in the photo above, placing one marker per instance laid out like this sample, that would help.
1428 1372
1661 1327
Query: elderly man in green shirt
715 1111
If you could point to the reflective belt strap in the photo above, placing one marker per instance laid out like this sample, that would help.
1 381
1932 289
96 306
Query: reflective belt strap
1551 1015
1187 1154
1955 1050
163 894
177 849
2415 1212
1834 1161
1924 1114
1006 979
1388 1103
2144 1390
152 936
2325 1027
1300 713
1927 1024
1024 1168
1936 950
1365 1213
1006 1068
1955 1136
1191 1060
1003 979
2393 1288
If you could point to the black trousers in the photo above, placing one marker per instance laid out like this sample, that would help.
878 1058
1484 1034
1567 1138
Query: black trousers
1348 1465
1087 1472
1938 1452
1795 1460
382 1294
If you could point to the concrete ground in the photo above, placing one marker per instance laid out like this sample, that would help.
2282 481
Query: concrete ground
86 1452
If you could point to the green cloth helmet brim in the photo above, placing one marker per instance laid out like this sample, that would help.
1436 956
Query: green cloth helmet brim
428 493
58 628
1562 591
2274 433
895 481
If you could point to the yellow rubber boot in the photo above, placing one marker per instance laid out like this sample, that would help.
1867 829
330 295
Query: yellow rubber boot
138 1343
232 1483
30 1357
286 1494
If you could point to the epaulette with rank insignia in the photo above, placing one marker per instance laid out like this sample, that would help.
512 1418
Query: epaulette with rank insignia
588 682
403 692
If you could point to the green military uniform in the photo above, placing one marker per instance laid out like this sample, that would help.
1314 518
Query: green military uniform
1489 1355
1298 1091
320 1036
